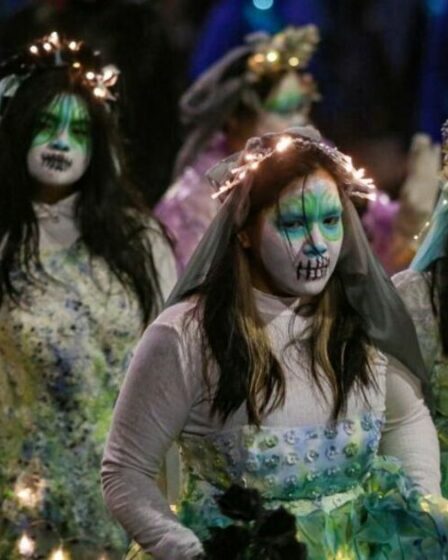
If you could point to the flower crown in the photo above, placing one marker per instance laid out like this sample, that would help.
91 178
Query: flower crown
54 51
233 171
290 49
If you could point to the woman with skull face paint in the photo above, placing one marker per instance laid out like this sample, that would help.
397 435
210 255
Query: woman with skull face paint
83 269
285 362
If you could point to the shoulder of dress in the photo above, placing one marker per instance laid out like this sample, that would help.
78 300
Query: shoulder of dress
414 287
408 277
179 317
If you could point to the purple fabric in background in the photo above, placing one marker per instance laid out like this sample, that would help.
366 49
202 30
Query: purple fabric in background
187 208
378 222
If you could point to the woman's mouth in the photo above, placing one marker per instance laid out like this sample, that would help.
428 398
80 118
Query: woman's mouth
56 162
313 269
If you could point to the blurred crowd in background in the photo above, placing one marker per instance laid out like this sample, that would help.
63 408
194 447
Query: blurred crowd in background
380 67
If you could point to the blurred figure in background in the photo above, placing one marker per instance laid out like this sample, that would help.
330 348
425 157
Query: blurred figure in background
83 269
132 35
261 86
424 289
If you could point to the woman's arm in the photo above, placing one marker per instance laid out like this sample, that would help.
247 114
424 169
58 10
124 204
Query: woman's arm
409 433
151 411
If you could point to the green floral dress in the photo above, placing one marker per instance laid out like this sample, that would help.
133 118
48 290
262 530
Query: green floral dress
414 288
63 354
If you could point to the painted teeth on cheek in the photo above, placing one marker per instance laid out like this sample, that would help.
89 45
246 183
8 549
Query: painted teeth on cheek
313 269
56 162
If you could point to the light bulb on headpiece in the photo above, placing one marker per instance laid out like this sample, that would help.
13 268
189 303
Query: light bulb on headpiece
108 74
292 48
283 144
272 56
294 61
358 174
54 37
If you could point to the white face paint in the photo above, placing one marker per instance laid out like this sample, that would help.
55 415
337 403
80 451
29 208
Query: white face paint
301 237
61 148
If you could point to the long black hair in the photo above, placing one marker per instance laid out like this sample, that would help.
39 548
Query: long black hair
234 337
111 219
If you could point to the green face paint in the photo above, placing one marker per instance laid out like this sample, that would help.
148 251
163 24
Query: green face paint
301 236
67 116
298 214
62 144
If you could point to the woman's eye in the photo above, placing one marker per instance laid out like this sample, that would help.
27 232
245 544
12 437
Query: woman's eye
332 220
80 129
292 223
45 123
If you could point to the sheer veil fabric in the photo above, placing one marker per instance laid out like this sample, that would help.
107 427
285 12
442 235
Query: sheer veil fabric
368 288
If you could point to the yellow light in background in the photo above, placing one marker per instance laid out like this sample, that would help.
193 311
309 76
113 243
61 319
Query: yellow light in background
59 554
26 546
34 49
29 494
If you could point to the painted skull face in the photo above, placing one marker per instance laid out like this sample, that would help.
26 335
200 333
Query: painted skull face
301 237
61 148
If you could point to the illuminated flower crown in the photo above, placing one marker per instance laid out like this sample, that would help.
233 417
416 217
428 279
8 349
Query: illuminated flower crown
290 49
230 173
54 51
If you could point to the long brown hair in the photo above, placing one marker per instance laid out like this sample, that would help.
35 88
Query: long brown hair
234 336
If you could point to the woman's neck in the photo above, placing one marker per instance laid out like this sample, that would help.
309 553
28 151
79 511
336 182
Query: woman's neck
50 194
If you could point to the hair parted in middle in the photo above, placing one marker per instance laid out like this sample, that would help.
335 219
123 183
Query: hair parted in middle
233 334
112 220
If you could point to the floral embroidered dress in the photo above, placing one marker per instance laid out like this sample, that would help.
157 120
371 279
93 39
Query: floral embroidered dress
414 288
349 501
63 354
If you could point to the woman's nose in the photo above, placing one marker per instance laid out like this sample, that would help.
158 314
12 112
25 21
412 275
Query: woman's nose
315 249
60 143
315 246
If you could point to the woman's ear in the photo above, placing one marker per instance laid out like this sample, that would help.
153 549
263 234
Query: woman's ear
244 239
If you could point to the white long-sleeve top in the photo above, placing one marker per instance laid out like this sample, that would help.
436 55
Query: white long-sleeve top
164 397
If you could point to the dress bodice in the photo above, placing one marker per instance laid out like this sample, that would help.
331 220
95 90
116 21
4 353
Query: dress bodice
287 463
